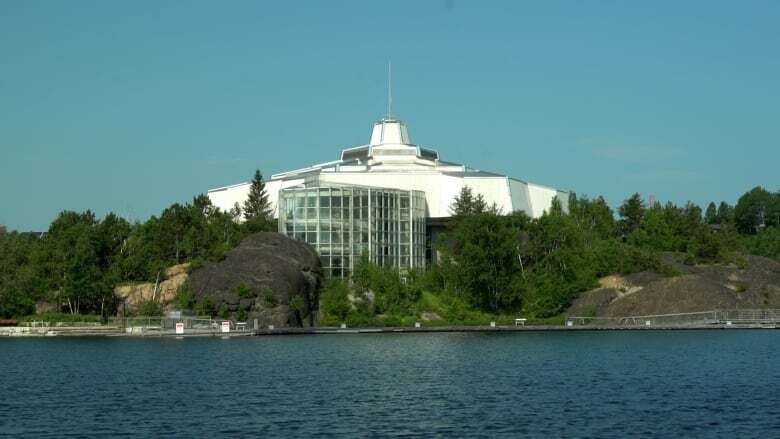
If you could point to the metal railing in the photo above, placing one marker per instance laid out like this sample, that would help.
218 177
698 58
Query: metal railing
168 325
688 319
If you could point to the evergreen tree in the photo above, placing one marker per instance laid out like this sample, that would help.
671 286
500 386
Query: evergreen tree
711 215
465 203
257 208
631 212
725 213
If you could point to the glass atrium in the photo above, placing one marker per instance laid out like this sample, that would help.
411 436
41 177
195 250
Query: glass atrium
345 222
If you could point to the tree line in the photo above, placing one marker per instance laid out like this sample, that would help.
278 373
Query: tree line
508 263
79 259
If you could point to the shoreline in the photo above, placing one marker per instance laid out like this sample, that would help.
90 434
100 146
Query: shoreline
24 332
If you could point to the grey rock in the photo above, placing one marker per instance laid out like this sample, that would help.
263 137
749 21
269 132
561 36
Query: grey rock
286 267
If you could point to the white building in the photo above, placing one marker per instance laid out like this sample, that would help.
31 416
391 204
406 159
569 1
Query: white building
374 199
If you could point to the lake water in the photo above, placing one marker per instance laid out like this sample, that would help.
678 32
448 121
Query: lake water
600 384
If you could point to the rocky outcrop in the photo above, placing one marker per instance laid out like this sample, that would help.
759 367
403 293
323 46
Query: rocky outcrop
268 277
697 288
137 293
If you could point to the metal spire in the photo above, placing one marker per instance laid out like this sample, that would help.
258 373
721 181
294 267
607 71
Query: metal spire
389 89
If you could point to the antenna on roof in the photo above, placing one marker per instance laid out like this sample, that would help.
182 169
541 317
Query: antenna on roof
389 89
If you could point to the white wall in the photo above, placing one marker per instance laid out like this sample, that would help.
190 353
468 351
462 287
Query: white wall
520 197
542 196
493 189
226 198
440 190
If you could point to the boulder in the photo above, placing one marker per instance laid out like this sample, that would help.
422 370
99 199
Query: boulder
268 277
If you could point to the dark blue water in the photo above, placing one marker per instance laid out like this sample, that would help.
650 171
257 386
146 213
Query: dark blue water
616 384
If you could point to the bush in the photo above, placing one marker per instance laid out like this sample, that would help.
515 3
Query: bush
243 291
334 302
205 307
185 299
196 263
223 311
269 299
150 308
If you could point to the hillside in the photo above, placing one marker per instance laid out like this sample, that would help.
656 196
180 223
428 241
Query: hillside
696 288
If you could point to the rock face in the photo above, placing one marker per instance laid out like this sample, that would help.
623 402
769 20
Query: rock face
697 288
268 277
135 294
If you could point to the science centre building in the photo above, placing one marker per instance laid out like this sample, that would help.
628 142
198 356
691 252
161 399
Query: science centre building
384 199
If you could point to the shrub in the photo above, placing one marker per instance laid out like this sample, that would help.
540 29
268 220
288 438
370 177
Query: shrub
205 307
150 308
244 291
334 304
269 299
184 297
195 263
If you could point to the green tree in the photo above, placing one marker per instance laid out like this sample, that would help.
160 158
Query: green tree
756 209
466 203
711 214
592 215
631 212
257 209
725 213
486 259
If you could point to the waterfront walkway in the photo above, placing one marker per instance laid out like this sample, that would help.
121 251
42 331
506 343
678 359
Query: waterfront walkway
206 327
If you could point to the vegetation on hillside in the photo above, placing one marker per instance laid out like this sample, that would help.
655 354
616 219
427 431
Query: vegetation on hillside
79 260
494 266
491 265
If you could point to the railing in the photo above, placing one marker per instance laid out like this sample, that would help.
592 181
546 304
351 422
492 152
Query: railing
689 319
50 324
749 315
166 325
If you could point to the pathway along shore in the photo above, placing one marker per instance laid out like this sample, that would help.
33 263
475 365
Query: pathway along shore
152 333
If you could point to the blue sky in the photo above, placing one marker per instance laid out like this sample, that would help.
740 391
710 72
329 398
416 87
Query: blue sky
131 106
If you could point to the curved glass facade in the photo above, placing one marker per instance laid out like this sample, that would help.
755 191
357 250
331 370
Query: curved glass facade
345 222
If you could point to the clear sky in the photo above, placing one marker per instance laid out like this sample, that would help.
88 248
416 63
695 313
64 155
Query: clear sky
131 106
